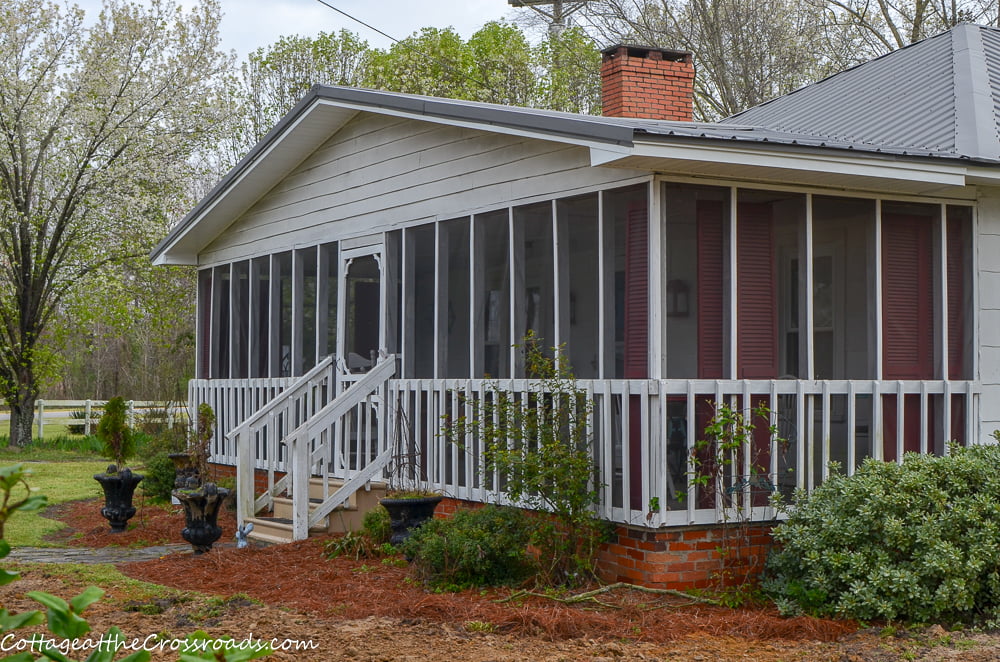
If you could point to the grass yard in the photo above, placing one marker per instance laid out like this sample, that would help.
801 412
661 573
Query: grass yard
59 481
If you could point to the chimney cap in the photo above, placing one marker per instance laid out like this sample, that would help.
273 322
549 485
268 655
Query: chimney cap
636 50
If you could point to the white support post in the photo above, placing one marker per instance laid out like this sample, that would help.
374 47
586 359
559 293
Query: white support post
299 447
245 470
131 414
41 417
86 419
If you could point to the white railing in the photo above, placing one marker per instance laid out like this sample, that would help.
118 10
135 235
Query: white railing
640 433
643 440
323 424
346 441
242 403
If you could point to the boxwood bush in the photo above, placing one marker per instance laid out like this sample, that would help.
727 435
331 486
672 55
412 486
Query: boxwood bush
483 547
917 541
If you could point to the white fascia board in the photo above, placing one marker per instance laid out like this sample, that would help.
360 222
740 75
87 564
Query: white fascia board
471 124
860 165
983 175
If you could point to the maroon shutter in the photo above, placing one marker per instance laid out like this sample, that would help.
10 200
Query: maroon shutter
710 290
636 293
757 305
956 299
907 298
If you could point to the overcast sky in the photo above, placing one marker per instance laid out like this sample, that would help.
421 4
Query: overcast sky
249 24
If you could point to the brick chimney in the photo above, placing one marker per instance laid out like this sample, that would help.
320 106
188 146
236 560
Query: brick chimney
647 82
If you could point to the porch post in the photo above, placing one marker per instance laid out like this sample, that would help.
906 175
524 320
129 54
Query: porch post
299 447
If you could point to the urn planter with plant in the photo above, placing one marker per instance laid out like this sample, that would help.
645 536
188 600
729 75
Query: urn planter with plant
202 502
407 500
118 481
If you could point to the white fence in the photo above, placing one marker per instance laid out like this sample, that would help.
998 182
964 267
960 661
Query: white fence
68 412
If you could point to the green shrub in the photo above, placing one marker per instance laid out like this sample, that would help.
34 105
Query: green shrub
538 448
118 440
376 525
918 541
159 478
484 547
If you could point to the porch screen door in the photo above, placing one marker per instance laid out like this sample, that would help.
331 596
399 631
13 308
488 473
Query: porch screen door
361 327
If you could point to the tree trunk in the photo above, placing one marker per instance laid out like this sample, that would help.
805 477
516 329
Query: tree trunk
22 415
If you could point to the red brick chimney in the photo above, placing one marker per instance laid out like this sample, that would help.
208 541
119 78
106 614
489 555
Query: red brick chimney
647 82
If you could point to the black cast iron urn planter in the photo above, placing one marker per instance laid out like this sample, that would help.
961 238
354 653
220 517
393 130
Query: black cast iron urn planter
201 515
119 486
408 513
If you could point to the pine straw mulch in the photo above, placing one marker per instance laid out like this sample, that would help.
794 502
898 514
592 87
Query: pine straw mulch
298 576
153 524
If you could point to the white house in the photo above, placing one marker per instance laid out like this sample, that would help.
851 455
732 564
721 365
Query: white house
833 254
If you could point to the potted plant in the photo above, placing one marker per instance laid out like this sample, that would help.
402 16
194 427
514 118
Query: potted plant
201 498
118 481
407 501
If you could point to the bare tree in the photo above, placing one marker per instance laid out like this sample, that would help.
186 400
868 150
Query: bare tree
746 51
96 126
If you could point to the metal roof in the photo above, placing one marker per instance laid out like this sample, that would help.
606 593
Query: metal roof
936 97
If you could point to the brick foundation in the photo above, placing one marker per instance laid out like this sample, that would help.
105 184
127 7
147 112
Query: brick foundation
685 558
259 477
676 558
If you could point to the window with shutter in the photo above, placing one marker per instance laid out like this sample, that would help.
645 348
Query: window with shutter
757 338
710 290
636 292
907 297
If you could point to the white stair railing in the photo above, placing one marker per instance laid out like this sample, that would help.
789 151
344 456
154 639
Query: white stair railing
257 439
315 442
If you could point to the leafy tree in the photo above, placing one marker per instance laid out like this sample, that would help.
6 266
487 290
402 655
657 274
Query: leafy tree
569 70
433 61
274 78
96 125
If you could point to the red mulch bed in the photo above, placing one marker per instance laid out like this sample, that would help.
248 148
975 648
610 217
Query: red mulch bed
153 524
298 576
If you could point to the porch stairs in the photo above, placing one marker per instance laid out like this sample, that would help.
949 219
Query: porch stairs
319 478
276 527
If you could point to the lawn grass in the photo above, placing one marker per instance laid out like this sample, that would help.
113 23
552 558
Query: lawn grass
60 482
106 576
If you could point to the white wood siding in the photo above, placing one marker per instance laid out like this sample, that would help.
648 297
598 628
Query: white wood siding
379 173
987 243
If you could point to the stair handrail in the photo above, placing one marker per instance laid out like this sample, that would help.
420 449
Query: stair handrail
246 505
301 454
294 389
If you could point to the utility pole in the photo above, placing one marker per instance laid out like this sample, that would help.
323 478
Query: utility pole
556 16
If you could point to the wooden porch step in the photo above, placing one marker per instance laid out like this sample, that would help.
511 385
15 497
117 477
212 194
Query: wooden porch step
276 530
348 517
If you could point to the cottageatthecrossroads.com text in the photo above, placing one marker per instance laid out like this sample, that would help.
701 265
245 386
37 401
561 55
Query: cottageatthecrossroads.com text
38 643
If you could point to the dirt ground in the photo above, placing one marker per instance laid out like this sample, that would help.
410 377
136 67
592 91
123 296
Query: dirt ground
373 611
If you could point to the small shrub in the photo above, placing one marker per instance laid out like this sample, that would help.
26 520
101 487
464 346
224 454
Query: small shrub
376 525
918 541
484 547
114 432
353 544
539 449
160 476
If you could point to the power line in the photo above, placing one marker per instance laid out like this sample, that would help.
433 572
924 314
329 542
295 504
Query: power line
443 63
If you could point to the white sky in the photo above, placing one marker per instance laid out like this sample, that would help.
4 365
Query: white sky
250 24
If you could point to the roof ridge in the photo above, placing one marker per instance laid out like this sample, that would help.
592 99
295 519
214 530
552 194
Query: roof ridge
975 128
